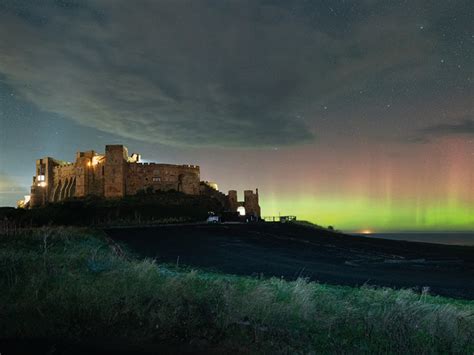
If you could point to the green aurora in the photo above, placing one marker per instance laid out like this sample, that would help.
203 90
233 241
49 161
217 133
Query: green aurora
362 214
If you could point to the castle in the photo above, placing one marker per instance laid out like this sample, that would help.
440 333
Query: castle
115 174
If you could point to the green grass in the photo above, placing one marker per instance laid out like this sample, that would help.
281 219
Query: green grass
75 284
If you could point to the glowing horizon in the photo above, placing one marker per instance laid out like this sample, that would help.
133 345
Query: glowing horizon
366 214
357 115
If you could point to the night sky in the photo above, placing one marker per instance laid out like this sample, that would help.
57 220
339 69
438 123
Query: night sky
358 114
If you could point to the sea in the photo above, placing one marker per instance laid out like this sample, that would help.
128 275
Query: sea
450 238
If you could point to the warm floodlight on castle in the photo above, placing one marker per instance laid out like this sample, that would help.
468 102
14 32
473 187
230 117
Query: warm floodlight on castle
115 174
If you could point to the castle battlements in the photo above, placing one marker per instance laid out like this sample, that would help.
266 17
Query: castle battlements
115 174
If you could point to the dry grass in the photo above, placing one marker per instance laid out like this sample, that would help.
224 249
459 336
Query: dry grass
71 284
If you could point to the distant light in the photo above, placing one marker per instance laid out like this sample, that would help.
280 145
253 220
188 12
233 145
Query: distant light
366 231
213 185
96 160
241 211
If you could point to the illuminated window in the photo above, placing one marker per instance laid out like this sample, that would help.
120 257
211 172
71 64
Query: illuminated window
156 179
241 210
41 178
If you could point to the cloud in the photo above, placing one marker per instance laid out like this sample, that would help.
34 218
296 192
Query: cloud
464 127
9 184
188 73
11 190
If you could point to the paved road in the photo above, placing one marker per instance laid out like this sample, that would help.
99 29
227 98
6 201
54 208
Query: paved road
292 251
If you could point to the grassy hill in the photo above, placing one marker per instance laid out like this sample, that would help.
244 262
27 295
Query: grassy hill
139 209
76 286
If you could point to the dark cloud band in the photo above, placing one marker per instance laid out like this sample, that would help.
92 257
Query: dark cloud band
464 128
202 73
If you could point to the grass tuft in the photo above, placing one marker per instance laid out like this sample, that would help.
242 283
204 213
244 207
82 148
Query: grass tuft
76 284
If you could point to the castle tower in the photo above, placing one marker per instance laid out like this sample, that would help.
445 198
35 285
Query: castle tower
232 200
115 170
42 182
83 166
251 204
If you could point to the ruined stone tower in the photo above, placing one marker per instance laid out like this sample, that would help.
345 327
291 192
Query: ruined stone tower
233 201
250 203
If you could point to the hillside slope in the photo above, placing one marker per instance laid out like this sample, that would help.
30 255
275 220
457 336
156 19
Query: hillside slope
292 251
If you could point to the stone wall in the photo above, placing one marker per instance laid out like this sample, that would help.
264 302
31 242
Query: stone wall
89 170
43 181
112 175
162 177
250 202
233 201
115 175
64 182
115 170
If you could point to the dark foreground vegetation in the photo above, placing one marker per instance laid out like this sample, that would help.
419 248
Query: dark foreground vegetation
68 286
160 207
295 250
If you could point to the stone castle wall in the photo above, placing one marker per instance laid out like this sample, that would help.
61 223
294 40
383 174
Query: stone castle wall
162 177
112 175
115 175
114 171
64 183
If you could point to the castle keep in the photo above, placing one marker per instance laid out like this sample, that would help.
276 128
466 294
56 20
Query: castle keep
115 174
